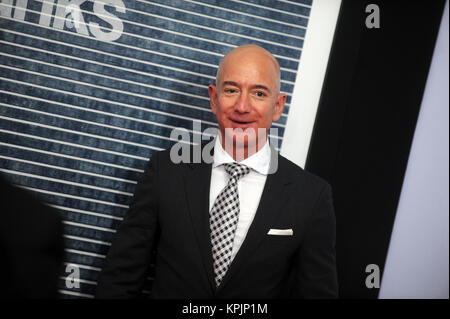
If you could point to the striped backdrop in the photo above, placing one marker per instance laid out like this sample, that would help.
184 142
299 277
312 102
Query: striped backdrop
90 89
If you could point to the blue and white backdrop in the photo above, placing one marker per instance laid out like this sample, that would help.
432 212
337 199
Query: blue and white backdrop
90 89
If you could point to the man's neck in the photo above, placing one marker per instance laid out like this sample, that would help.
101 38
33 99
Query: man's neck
241 151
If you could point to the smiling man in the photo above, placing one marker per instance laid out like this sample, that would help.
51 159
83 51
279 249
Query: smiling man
250 225
247 99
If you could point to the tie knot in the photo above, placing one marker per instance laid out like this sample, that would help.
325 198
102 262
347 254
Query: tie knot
236 170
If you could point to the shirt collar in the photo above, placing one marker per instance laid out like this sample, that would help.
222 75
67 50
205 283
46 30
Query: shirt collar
260 161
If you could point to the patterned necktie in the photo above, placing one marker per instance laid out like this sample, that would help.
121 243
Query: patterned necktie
224 216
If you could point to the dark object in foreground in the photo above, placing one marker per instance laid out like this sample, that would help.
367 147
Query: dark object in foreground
31 245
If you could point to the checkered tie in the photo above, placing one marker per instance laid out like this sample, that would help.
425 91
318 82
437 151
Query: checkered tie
224 216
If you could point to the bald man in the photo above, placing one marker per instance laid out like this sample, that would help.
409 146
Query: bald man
244 222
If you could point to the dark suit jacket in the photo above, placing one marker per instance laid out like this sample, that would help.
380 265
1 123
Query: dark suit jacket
170 212
31 245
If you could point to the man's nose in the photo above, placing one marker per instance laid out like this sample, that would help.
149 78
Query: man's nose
243 103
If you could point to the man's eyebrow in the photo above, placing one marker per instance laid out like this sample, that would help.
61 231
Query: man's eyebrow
229 83
260 86
256 86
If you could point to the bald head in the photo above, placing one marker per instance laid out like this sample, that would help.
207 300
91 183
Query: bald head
246 98
251 52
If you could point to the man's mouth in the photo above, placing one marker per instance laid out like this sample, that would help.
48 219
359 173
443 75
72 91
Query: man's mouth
241 122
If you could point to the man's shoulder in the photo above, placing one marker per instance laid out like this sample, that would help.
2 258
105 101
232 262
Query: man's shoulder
299 175
166 159
180 157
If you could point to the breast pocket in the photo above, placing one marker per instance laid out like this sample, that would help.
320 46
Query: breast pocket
279 242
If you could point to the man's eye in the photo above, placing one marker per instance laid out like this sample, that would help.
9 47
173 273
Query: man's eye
230 91
260 94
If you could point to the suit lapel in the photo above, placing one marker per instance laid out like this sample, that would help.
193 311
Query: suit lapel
274 195
197 184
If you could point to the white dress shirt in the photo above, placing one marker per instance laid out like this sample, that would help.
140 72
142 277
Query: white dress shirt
250 186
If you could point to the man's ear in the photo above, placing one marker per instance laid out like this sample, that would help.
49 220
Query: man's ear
279 106
212 91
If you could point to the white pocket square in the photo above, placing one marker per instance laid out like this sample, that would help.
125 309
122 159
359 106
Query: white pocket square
281 232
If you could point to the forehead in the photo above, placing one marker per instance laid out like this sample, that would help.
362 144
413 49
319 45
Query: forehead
249 66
